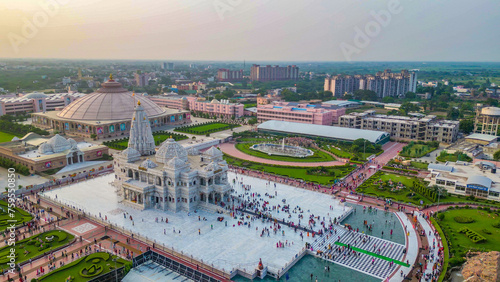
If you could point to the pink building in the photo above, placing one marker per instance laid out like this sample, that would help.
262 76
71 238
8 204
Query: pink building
35 102
323 114
214 107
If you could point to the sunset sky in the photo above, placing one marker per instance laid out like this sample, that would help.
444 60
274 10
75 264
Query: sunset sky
294 30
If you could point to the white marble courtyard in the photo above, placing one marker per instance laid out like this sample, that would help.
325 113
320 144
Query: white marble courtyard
226 247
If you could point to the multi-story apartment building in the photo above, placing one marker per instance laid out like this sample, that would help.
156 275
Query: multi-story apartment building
36 102
225 75
303 113
487 121
273 73
404 128
384 83
141 79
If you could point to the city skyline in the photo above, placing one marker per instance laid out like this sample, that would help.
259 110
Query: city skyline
258 30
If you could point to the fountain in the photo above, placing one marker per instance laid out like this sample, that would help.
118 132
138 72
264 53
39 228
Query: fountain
282 150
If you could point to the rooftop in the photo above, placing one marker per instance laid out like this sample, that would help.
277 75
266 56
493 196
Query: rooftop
482 137
342 133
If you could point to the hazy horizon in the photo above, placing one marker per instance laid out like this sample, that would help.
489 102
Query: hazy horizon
258 30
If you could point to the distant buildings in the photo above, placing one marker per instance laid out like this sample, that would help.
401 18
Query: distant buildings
404 128
226 75
304 113
36 102
385 84
142 79
273 73
487 120
167 66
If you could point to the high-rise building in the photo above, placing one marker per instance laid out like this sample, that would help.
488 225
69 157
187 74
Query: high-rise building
273 73
385 84
141 79
226 75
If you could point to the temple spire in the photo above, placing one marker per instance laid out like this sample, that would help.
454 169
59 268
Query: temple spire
141 136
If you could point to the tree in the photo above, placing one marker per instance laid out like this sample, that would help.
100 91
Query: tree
453 113
367 95
388 99
496 155
252 121
411 95
409 107
466 126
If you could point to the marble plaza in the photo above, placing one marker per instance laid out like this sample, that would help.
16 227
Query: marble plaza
225 244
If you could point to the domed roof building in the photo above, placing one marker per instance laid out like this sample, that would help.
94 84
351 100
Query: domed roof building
173 179
487 121
107 113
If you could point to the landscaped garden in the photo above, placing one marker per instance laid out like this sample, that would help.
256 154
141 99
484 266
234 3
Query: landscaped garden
159 136
469 229
358 150
205 128
86 268
320 175
36 245
457 156
20 216
319 156
418 149
397 187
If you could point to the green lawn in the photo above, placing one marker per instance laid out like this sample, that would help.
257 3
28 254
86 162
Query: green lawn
319 156
345 153
483 224
295 172
387 191
457 156
419 165
6 137
36 245
85 268
159 137
6 220
207 128
414 150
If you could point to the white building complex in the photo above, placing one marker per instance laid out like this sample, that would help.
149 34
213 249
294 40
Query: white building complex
170 178
427 128
479 179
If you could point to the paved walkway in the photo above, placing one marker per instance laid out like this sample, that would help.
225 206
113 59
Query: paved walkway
231 150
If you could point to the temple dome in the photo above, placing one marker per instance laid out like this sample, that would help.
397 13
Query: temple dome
169 150
176 163
45 149
131 154
110 102
59 143
148 164
213 152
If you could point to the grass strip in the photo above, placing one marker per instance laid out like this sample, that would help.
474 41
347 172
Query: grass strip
375 255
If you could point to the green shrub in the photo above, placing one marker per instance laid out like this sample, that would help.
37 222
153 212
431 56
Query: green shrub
463 219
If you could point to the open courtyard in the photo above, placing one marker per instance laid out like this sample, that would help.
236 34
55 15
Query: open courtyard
230 244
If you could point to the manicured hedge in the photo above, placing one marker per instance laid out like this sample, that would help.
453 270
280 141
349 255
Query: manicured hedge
400 169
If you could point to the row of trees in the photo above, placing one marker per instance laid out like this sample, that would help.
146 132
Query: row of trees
19 129
193 128
22 169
